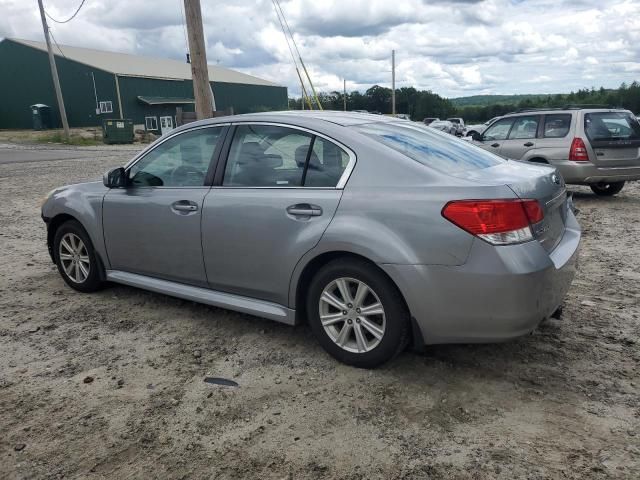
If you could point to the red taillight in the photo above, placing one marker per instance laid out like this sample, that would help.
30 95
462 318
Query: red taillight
498 221
578 151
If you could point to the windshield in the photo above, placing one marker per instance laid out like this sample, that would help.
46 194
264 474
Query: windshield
442 152
611 126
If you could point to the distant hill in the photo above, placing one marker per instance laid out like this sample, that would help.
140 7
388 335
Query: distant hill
484 100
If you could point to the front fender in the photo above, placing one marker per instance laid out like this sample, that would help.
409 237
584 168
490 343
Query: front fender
84 203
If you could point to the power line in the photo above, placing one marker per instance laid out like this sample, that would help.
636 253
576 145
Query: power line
313 89
68 19
56 42
184 28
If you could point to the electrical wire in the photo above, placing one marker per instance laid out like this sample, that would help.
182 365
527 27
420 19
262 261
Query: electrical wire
56 42
184 26
68 19
277 2
305 96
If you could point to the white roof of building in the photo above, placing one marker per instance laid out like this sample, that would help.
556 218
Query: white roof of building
137 66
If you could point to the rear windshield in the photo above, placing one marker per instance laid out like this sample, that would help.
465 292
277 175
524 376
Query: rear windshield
611 127
430 147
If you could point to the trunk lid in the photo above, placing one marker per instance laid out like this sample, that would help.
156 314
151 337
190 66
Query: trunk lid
614 137
538 182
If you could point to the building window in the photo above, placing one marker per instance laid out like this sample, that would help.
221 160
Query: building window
151 123
106 107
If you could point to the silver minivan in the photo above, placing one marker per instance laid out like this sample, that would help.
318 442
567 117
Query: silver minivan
599 147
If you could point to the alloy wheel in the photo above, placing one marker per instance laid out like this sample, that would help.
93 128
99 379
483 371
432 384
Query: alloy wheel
352 315
74 258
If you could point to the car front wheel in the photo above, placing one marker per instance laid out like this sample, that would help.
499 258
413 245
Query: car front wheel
607 189
357 313
75 257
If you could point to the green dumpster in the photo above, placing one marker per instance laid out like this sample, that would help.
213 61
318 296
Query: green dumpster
41 116
117 130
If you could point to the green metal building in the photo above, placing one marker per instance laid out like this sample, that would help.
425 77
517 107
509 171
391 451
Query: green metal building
97 85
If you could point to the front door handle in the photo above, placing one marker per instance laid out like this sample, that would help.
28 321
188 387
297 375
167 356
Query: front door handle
304 210
182 206
528 144
495 145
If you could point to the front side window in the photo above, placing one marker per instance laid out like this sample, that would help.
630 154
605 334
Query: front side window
181 161
557 125
524 127
499 130
431 148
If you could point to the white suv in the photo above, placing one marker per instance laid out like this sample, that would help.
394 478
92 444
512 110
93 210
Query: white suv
599 147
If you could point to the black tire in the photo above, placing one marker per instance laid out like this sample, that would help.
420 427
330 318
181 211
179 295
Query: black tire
607 189
396 316
93 281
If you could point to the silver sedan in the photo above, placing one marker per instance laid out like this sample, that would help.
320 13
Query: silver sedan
375 231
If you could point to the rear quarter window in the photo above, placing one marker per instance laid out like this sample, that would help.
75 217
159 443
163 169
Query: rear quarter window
442 152
556 125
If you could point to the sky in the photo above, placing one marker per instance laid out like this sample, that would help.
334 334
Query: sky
454 48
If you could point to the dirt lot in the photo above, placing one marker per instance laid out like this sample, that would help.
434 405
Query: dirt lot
561 403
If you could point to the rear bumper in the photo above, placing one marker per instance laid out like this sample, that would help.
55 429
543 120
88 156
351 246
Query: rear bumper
499 294
587 172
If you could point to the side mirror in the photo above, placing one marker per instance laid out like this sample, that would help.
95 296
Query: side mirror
476 136
115 178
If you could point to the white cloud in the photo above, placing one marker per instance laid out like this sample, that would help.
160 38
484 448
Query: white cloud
452 47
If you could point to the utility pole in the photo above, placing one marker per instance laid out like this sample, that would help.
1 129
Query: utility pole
344 94
393 82
54 73
198 55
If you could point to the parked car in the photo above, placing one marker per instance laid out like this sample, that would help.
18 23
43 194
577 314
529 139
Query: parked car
444 126
459 124
480 128
598 147
377 233
429 120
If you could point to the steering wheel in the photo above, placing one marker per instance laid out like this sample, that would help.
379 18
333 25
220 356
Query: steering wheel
187 175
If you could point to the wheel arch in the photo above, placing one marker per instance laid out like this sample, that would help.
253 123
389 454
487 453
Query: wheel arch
52 227
316 263
538 159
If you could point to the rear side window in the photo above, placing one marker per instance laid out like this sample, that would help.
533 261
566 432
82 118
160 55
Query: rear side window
556 125
274 156
429 147
327 162
611 127
266 156
524 127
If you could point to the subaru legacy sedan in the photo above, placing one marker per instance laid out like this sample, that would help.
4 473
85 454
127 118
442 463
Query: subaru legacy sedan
376 232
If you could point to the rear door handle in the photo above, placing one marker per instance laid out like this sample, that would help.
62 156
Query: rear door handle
528 144
304 210
184 206
495 145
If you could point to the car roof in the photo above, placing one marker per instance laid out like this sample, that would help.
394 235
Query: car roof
541 111
336 117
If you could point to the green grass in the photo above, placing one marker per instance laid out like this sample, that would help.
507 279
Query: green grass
73 140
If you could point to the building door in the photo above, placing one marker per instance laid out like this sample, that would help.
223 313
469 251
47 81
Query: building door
166 124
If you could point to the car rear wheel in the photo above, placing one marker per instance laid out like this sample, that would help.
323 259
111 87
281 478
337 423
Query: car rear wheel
357 313
76 259
607 189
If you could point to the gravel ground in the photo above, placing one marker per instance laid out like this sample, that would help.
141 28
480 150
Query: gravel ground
110 385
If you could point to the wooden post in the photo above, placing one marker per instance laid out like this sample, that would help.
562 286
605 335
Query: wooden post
344 94
54 73
199 71
393 82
